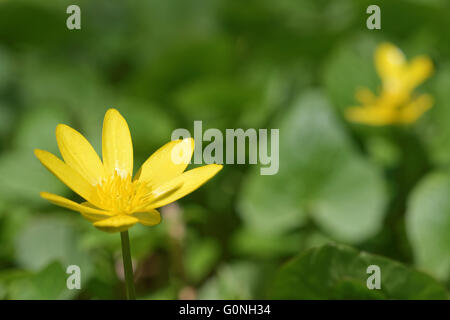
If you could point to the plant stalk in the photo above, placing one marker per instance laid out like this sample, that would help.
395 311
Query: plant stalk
127 265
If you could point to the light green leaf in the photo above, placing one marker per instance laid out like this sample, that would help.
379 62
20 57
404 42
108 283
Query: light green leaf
428 224
233 281
23 177
435 129
346 208
36 129
47 284
269 205
321 175
48 239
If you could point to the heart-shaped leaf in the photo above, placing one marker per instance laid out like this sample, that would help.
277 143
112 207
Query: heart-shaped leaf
321 175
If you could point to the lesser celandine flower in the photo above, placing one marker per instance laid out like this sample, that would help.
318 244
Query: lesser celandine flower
114 200
396 103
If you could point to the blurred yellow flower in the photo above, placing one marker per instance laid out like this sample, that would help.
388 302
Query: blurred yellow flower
396 103
115 201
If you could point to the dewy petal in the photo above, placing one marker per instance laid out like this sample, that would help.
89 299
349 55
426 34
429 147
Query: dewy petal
167 162
89 212
191 180
149 218
78 153
389 60
118 223
67 175
117 147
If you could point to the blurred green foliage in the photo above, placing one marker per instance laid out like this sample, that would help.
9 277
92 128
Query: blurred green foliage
287 64
339 272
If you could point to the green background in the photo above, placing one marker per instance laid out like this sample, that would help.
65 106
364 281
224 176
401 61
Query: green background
346 196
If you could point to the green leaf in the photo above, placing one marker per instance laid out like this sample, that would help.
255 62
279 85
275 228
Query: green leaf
428 224
348 209
22 177
249 243
232 281
321 176
48 239
200 257
436 127
354 61
47 284
36 129
340 272
12 220
268 205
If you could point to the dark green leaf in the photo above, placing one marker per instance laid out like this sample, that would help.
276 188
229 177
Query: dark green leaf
340 272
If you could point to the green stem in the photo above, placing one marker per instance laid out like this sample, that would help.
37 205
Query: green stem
127 265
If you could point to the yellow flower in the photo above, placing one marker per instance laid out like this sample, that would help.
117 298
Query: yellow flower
115 201
396 103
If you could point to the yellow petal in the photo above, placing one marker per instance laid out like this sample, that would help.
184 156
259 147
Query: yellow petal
365 96
89 212
389 60
371 115
167 162
118 223
419 69
191 180
78 153
163 191
117 147
91 215
149 218
67 175
415 108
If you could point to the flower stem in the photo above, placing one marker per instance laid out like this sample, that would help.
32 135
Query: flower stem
127 265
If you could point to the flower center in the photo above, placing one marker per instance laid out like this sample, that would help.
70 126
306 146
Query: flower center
121 195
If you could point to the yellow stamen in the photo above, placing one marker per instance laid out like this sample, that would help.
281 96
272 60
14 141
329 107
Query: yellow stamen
121 195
